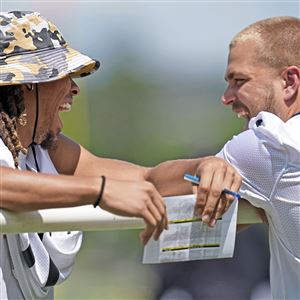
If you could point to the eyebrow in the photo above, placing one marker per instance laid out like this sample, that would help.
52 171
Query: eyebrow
232 74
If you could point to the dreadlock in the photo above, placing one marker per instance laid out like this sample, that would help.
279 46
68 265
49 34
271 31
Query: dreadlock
11 108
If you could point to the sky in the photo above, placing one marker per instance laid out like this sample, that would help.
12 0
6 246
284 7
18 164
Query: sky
177 48
170 39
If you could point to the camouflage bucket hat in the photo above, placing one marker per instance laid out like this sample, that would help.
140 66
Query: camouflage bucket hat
33 50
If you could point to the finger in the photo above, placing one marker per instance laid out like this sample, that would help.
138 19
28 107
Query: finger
166 222
213 196
225 198
155 213
148 217
146 234
159 202
218 211
152 219
236 183
161 206
195 189
159 230
202 191
235 186
144 237
160 218
230 200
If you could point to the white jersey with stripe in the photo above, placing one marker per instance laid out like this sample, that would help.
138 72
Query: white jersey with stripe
268 158
30 263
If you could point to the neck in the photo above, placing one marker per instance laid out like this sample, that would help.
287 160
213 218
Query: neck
286 110
292 113
25 135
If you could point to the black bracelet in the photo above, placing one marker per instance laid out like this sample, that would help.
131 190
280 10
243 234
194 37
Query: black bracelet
101 191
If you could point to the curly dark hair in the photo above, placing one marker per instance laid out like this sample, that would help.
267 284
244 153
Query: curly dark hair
11 108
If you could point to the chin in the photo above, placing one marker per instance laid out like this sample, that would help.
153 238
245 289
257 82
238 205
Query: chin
50 141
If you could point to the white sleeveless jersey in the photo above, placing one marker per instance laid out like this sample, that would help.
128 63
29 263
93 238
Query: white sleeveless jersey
268 158
31 264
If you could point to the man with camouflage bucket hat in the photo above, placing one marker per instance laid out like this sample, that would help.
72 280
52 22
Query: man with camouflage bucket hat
36 71
36 67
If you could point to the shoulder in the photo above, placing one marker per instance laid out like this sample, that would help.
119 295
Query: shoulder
257 153
243 148
65 155
260 143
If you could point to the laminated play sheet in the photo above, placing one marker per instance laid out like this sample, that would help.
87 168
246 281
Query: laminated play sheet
190 239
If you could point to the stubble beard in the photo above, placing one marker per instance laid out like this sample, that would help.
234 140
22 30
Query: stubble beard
270 98
268 103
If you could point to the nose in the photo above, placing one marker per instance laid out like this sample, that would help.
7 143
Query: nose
228 97
75 90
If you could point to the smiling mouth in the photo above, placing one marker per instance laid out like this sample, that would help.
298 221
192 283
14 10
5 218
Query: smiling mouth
241 111
66 107
243 114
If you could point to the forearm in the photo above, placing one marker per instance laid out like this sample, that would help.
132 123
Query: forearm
24 191
167 177
71 158
92 165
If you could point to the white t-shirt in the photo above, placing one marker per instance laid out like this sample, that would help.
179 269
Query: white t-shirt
268 158
52 256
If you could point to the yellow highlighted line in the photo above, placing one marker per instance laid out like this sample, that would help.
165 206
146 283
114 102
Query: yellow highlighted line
187 220
196 219
193 246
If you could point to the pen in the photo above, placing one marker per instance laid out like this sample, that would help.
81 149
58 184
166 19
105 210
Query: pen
195 180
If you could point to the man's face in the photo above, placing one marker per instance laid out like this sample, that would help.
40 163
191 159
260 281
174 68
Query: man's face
252 87
54 97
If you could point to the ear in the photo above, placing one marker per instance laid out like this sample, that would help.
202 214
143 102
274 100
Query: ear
291 77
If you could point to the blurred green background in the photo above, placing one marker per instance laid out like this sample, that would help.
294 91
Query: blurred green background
156 97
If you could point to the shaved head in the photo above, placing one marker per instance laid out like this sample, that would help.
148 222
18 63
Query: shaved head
277 40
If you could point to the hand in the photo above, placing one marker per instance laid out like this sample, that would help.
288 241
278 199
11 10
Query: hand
136 199
216 175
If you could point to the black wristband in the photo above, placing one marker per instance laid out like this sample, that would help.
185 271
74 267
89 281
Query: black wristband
101 191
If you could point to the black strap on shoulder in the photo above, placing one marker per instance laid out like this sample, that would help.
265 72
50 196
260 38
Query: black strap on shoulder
35 159
37 111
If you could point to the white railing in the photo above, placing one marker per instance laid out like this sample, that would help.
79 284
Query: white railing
86 218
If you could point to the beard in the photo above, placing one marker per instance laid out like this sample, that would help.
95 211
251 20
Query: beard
269 100
50 141
265 101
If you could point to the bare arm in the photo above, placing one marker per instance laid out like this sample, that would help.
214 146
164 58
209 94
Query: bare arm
216 174
23 190
79 184
73 159
167 177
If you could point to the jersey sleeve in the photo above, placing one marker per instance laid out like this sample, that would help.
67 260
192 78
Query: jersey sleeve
257 161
